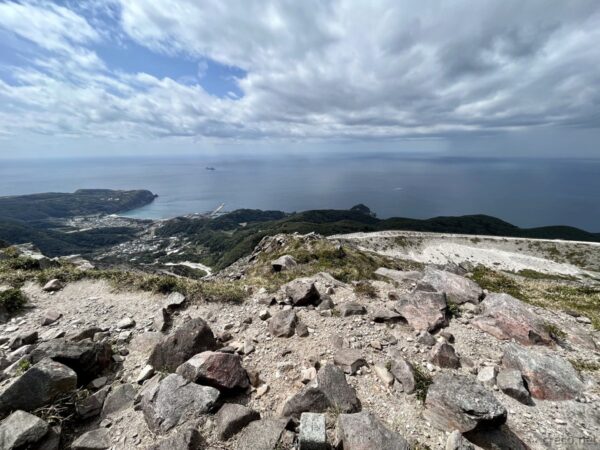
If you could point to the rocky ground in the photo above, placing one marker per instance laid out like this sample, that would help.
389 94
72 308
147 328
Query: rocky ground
405 359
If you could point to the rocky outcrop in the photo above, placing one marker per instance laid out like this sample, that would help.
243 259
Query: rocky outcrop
175 399
362 431
21 430
423 310
548 376
221 370
191 338
458 289
458 402
505 317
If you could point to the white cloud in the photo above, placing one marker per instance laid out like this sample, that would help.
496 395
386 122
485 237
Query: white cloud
315 69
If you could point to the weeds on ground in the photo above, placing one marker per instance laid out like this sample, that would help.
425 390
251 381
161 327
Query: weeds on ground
13 300
422 380
584 366
497 282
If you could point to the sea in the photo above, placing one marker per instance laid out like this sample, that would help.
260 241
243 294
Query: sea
524 191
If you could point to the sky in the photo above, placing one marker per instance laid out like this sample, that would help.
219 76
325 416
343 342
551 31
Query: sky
494 77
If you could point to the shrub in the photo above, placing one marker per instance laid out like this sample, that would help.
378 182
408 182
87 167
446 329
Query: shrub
422 380
13 300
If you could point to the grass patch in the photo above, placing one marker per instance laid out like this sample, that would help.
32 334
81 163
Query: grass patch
13 300
497 282
365 289
535 275
422 380
584 366
555 332
23 366
453 310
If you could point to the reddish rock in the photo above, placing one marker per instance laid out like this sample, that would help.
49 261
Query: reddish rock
423 310
443 355
220 370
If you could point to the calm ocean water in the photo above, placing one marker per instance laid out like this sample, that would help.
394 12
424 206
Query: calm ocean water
525 192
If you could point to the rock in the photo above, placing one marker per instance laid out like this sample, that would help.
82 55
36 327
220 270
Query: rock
445 334
125 323
424 311
166 403
21 430
174 301
38 386
191 338
301 292
22 339
283 263
458 289
146 373
459 402
86 333
487 376
426 338
160 320
283 324
313 435
50 317
264 314
401 276
88 359
264 434
362 431
232 418
443 355
351 309
98 382
92 406
404 372
548 376
326 303
53 286
584 319
456 441
187 439
307 375
120 397
220 370
384 375
301 329
98 439
329 390
350 360
505 317
510 381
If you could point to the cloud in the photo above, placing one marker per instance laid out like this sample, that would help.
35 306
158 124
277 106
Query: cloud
314 70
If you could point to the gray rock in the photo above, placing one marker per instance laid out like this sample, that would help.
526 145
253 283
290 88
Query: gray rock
86 333
313 435
92 406
174 301
160 320
426 338
424 311
50 317
329 390
362 431
22 339
458 402
400 276
443 355
174 400
351 309
125 323
301 329
548 376
326 303
302 292
88 359
145 374
98 439
283 263
456 441
53 285
349 360
51 441
283 324
510 381
458 289
120 397
221 370
264 434
21 430
191 338
38 386
187 439
505 317
232 417
404 372
487 376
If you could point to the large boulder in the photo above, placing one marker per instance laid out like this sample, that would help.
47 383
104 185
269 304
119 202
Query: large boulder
459 402
174 399
283 324
88 359
505 317
424 311
302 292
264 434
458 289
329 390
191 338
232 417
38 386
21 430
362 431
548 376
223 371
